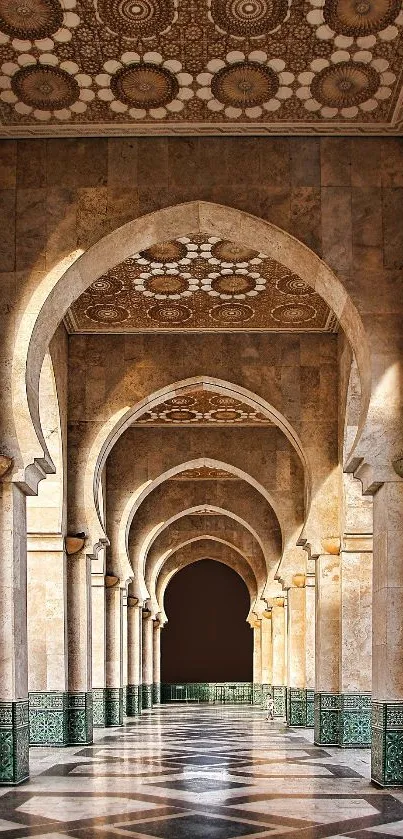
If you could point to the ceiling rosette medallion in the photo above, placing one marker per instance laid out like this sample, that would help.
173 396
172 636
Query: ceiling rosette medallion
245 85
134 19
203 407
45 90
147 86
38 23
344 86
248 18
360 20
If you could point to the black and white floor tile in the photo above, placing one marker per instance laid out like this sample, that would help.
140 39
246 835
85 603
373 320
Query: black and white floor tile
216 772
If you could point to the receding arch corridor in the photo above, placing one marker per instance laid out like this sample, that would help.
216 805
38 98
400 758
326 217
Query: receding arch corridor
200 772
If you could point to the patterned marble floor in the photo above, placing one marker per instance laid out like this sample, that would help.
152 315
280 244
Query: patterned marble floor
198 772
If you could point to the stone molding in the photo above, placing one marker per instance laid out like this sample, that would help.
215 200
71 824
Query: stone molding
357 543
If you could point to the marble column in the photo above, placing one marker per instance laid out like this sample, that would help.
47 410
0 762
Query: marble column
124 653
14 724
296 693
98 638
157 663
267 655
356 641
147 660
114 620
134 656
47 639
310 641
257 662
79 700
327 648
387 642
279 656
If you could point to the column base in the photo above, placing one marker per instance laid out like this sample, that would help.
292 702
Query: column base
124 700
14 742
300 711
343 719
113 707
79 718
310 708
279 699
48 718
146 696
133 700
98 707
387 744
156 693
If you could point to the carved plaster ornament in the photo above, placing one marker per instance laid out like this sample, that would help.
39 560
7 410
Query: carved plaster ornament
5 464
74 543
298 580
331 545
111 580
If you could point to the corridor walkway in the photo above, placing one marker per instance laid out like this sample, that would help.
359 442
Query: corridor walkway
196 772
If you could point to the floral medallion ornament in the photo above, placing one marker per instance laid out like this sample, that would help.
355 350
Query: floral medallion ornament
171 283
28 19
293 285
231 313
344 86
45 88
172 251
230 252
106 287
361 20
137 18
107 313
246 85
147 86
248 18
293 313
169 314
236 284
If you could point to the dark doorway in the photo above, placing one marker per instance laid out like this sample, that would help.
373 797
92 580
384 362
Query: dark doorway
207 638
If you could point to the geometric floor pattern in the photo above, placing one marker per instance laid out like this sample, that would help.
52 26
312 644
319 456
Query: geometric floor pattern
200 772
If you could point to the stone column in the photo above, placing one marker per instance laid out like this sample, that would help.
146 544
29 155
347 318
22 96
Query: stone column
157 663
267 655
98 625
387 643
279 656
134 656
124 653
257 662
47 639
356 641
14 725
79 700
296 694
114 690
147 660
327 648
310 641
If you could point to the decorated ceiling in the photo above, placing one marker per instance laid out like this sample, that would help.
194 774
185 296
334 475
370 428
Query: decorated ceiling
199 283
191 66
202 407
205 473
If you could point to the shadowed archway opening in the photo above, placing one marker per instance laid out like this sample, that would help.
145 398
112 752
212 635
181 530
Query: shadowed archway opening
207 638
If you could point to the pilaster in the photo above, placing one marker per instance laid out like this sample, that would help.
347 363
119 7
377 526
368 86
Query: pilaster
114 637
156 692
134 656
147 660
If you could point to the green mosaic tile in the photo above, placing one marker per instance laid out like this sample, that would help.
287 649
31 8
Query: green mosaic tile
228 692
296 707
310 714
343 720
279 699
156 694
98 707
14 741
133 700
113 706
387 743
146 696
47 718
124 701
326 713
79 717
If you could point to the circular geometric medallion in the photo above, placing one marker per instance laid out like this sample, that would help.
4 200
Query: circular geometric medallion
233 284
232 313
166 284
226 415
144 86
105 287
293 285
107 313
182 401
244 84
169 313
45 87
248 18
180 416
30 18
165 252
230 252
137 18
360 17
223 401
344 85
293 313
